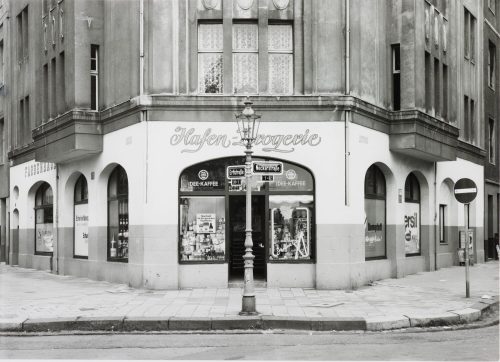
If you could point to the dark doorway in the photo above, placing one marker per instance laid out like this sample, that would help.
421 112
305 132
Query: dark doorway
237 222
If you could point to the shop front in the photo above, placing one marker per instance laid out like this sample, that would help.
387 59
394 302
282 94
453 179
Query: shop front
212 217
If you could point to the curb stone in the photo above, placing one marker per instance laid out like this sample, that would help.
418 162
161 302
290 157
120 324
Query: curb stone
260 322
387 323
444 319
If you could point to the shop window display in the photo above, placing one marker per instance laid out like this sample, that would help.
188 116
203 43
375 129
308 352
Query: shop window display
290 227
81 219
375 223
412 215
44 234
202 229
118 220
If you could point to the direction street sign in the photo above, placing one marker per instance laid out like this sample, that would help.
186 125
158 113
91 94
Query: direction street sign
236 172
267 178
465 190
267 168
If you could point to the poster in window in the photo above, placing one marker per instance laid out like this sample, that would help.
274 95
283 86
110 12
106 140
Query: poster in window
205 223
82 230
44 237
412 228
374 228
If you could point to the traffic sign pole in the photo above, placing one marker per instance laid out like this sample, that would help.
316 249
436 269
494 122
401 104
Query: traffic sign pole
465 192
466 223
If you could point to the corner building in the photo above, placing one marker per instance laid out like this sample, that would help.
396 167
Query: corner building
123 127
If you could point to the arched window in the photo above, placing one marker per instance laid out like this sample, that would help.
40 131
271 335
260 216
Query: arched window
412 215
375 240
118 215
81 221
44 235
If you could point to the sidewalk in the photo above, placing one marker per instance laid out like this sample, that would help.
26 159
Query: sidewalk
33 300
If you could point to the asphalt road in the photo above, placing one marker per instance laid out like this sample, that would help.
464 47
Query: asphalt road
470 344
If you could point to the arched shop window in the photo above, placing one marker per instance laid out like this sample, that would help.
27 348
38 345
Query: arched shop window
81 220
412 215
118 215
212 213
44 227
375 227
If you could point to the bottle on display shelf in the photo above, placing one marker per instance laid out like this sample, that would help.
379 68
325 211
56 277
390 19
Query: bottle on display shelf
112 250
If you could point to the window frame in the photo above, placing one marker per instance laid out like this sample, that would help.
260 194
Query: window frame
289 52
377 196
412 181
83 201
94 74
491 141
442 225
118 197
200 50
42 189
491 65
245 51
396 76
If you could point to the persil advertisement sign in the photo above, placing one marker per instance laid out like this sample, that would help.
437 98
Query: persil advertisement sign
412 228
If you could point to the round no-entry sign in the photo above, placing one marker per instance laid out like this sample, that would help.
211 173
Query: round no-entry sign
465 190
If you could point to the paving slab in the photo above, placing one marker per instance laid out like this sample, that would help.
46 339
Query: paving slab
33 300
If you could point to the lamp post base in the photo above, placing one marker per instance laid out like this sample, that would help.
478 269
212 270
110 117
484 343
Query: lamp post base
248 306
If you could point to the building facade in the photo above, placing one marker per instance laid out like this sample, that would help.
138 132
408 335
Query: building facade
121 131
491 45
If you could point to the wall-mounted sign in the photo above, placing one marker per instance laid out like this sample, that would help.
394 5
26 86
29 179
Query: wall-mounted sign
267 168
236 172
81 230
37 168
193 140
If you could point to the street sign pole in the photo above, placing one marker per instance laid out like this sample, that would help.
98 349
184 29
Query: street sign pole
465 192
466 223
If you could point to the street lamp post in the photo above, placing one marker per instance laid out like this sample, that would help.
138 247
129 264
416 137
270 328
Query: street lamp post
248 128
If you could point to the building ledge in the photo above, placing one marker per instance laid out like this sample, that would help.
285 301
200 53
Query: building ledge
73 135
416 134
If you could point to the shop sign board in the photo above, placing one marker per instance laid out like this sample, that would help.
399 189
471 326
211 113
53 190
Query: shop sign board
465 190
82 230
267 168
236 172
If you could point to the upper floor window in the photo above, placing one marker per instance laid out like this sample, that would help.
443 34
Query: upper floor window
22 35
245 58
491 141
491 64
469 35
94 77
396 77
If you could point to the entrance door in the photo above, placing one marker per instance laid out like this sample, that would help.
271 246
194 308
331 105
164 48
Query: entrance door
237 223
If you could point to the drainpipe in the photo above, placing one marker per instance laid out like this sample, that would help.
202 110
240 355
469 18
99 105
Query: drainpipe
143 116
347 92
55 254
436 236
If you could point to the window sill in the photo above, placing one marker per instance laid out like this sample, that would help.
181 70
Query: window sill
118 260
43 253
80 257
291 261
492 87
188 262
412 255
376 258
443 243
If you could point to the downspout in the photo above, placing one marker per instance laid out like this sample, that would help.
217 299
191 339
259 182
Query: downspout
436 236
347 92
55 261
143 116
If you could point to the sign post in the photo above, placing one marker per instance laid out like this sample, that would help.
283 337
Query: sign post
465 191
